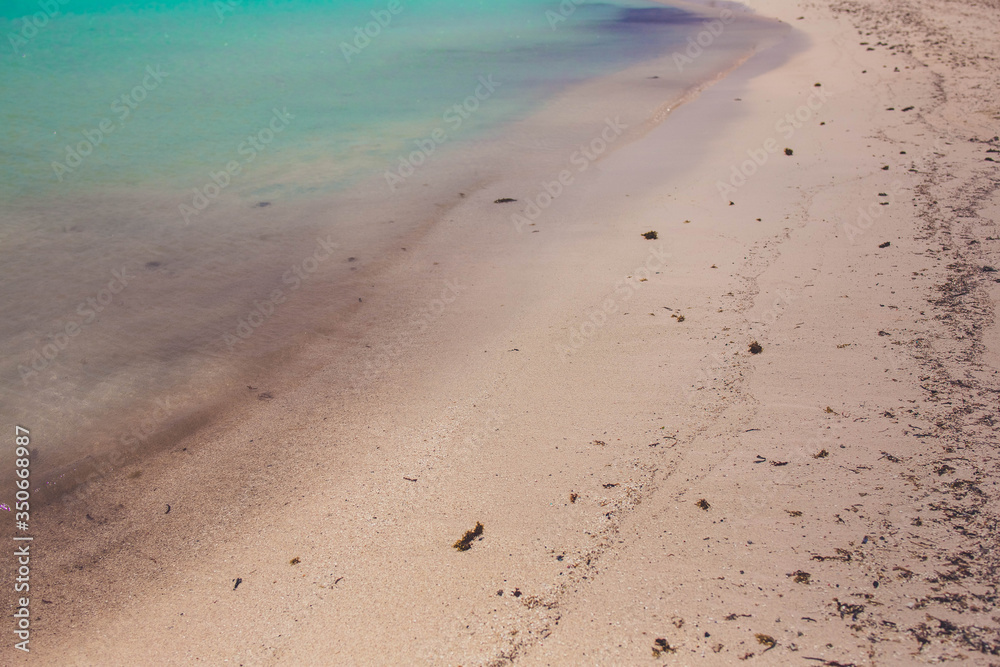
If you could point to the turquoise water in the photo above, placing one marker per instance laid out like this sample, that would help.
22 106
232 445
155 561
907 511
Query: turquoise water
78 73
120 308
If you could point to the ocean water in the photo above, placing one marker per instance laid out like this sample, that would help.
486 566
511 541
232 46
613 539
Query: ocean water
168 89
165 167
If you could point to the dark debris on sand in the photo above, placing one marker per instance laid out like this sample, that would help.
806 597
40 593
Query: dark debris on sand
470 536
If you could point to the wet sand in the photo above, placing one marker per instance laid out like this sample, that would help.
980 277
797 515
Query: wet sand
650 490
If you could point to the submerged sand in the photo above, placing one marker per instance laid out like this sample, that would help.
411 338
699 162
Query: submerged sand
651 492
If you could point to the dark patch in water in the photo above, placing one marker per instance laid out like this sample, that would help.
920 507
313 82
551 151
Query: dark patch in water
656 15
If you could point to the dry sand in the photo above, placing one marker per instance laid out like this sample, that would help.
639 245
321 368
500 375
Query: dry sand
554 393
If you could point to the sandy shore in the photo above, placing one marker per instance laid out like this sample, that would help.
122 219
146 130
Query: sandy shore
651 491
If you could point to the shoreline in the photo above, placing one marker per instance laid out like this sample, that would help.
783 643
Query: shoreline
588 470
191 404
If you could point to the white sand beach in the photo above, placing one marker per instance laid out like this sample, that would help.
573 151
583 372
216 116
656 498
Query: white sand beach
650 490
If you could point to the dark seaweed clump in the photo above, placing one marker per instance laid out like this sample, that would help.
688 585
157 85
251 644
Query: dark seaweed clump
465 543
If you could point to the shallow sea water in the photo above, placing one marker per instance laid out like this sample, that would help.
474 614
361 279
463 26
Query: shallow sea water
166 167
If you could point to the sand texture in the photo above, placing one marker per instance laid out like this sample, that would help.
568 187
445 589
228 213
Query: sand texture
650 490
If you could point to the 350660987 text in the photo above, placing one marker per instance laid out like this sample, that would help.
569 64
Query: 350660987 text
22 550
